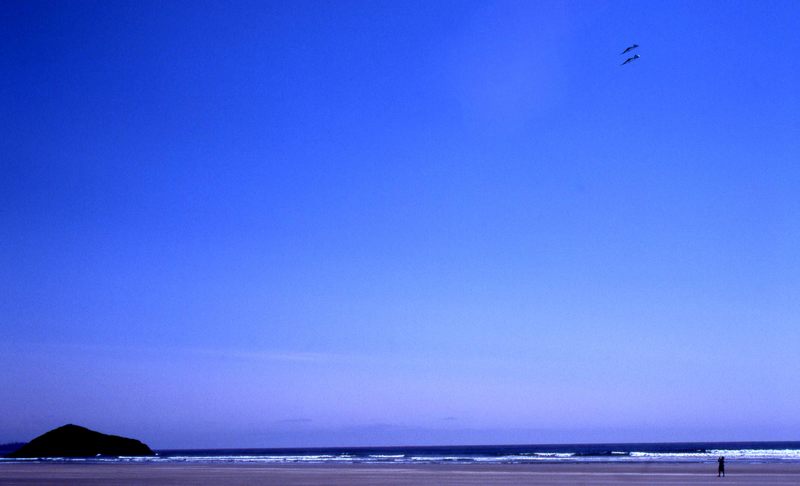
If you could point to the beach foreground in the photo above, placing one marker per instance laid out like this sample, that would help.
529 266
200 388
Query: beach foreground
361 474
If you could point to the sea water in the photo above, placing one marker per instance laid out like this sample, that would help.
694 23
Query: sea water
738 452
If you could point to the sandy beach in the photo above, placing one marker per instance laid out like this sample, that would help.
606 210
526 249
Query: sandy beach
354 474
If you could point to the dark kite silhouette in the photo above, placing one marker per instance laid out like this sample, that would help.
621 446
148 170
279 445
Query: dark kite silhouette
629 49
630 59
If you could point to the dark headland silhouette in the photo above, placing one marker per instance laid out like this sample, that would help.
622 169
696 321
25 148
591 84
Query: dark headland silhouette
76 441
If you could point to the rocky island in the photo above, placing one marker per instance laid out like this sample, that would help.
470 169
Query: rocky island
76 441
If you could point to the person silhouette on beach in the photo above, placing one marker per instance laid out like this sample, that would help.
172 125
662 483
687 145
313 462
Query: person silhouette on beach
721 468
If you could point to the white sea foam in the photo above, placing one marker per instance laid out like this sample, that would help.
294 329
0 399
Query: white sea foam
784 454
729 454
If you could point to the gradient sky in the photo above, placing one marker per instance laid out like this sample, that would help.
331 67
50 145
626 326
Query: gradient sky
369 223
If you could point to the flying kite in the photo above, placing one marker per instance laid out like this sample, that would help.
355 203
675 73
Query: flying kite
630 59
634 46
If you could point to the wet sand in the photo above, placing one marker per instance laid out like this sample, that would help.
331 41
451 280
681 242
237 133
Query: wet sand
373 474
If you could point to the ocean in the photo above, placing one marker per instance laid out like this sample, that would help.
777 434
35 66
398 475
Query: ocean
688 452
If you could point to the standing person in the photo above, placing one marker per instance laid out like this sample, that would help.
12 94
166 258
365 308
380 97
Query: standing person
721 468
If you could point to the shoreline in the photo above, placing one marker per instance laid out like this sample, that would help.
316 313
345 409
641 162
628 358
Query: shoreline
14 473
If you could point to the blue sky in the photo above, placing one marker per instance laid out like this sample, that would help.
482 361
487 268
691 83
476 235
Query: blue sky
367 223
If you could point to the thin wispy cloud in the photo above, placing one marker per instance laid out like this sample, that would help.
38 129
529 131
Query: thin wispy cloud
267 355
300 420
272 355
